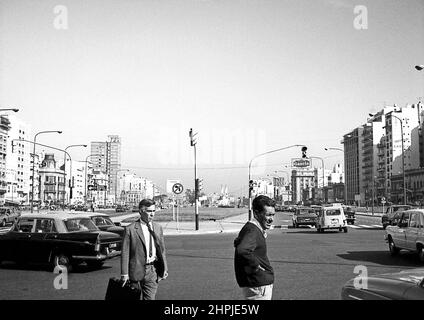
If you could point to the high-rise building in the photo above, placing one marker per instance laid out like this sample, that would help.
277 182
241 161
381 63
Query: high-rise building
373 154
353 165
18 162
4 131
106 159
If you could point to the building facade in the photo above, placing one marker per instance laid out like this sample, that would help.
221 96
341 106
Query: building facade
18 163
51 182
106 159
4 131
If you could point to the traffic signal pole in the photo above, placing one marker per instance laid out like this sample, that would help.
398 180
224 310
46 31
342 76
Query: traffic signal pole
193 143
196 192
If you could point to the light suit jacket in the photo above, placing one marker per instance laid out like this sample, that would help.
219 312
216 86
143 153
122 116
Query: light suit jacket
133 252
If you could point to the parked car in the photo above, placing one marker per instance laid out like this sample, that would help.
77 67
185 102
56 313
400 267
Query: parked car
331 218
62 238
8 215
408 234
119 208
304 216
104 222
134 209
404 285
387 218
350 215
81 207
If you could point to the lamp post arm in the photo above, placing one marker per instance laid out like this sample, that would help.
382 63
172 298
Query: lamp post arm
250 165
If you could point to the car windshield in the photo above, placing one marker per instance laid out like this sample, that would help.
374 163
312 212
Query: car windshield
396 209
306 211
332 212
80 224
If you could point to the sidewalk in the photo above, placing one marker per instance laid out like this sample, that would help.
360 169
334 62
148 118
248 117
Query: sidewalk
228 225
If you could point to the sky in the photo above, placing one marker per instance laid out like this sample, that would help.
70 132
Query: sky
248 76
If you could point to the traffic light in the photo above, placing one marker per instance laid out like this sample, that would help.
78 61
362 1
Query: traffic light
251 185
200 184
193 141
304 152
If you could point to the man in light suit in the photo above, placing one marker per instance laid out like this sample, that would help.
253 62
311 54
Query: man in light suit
143 259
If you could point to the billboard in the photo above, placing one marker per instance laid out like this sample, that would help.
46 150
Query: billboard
301 163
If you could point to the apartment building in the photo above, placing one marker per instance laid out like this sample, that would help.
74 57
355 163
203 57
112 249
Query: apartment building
18 162
4 131
106 159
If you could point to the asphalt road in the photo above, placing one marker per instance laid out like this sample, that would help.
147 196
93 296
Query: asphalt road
308 265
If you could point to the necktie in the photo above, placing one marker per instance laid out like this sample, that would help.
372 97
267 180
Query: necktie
151 240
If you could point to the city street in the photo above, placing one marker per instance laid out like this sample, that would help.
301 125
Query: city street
307 265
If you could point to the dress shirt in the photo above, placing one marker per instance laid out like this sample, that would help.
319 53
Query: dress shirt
147 238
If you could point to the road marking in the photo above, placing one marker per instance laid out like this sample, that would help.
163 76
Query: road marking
366 226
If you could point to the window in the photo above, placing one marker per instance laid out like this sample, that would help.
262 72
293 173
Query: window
24 225
45 226
415 220
405 219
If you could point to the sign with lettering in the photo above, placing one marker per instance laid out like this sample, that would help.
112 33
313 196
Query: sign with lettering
301 163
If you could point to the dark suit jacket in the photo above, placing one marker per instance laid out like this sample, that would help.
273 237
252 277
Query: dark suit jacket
250 252
133 253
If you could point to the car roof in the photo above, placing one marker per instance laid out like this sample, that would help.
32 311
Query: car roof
411 210
54 215
89 214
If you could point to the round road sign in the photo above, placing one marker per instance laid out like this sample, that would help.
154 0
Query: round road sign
177 188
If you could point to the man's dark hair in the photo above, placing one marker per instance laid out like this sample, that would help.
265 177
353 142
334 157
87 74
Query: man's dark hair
260 202
146 203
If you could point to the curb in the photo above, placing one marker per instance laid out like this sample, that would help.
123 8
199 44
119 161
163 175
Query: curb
183 233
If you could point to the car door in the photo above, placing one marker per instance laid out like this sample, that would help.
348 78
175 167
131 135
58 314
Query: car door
21 235
40 242
399 236
411 232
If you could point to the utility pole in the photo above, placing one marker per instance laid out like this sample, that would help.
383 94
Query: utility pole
193 143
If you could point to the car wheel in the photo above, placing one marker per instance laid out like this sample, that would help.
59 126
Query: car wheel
94 264
392 248
61 260
421 253
345 229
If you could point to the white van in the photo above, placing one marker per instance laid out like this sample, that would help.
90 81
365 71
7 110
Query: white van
331 218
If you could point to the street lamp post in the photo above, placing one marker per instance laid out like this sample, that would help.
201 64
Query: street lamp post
33 163
250 165
403 159
70 173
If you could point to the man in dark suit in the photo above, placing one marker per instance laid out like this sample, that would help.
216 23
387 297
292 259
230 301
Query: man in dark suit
143 259
254 273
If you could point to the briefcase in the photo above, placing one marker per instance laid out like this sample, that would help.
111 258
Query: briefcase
115 290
